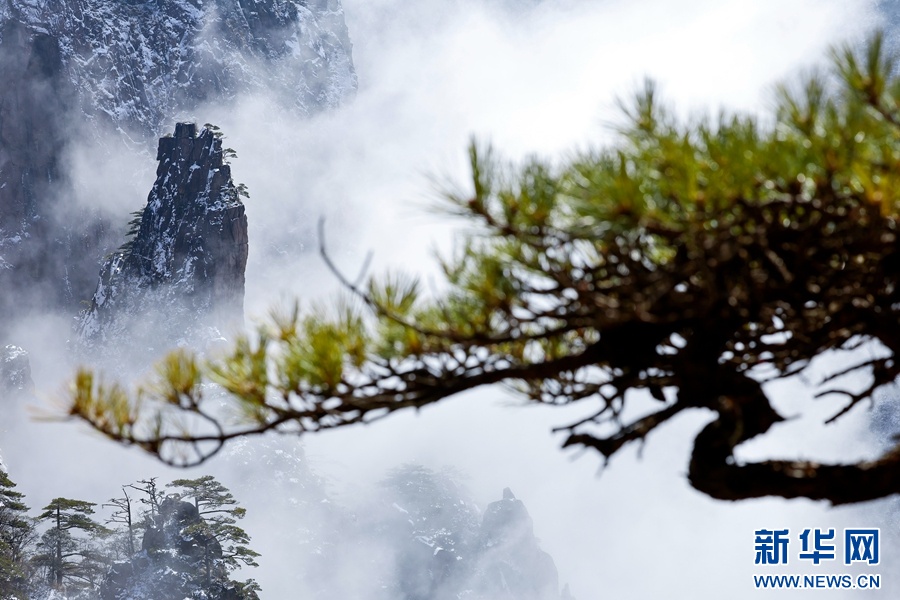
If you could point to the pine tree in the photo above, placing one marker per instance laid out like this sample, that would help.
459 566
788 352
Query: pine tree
220 513
152 494
68 558
17 532
685 263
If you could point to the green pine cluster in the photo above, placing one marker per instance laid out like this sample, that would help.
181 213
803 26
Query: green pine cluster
66 550
685 260
17 536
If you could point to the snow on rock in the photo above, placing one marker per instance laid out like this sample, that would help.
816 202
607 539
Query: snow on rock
443 547
15 370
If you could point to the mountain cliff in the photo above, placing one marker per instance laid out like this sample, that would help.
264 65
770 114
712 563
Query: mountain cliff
137 64
183 270
72 70
512 564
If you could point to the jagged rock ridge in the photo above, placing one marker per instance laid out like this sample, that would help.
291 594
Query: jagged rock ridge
183 271
512 564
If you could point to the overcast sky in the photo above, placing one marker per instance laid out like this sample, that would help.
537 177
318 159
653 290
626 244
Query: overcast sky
531 77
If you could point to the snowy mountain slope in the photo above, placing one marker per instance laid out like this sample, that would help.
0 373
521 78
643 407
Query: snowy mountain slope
139 64
73 70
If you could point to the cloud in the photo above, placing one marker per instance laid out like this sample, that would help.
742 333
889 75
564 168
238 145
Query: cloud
538 77
543 79
531 77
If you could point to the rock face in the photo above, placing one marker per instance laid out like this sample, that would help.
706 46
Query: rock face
310 531
72 68
33 99
15 370
419 536
183 270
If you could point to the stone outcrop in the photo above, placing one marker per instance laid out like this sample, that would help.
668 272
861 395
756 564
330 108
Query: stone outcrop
177 535
512 564
182 272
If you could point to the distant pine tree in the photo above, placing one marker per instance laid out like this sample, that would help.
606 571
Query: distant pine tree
17 531
75 561
219 512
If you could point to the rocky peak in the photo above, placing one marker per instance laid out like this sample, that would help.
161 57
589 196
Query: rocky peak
512 564
193 231
183 269
507 521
